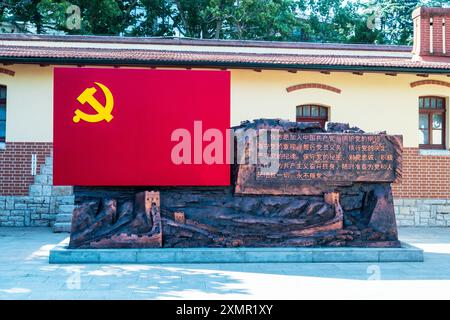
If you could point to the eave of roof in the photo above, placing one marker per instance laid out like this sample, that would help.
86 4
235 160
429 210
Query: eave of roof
217 65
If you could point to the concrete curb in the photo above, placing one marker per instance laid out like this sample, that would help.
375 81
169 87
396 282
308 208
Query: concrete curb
63 255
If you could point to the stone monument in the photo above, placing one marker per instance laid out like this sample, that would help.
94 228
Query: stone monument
332 188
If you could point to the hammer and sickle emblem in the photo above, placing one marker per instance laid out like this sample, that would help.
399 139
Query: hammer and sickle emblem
103 112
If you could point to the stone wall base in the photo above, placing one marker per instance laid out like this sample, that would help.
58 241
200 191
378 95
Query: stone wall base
422 212
43 206
32 211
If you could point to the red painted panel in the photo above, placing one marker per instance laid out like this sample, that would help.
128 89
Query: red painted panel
134 147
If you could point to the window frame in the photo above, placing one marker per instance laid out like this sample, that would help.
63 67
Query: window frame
429 112
321 119
3 101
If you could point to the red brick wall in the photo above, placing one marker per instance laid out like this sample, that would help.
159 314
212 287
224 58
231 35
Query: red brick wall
424 36
423 176
422 22
15 165
313 86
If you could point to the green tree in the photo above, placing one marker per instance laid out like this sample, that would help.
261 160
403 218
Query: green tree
396 23
265 20
152 18
199 19
332 20
22 12
105 17
278 20
49 16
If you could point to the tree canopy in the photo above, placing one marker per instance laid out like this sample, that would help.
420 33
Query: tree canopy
350 21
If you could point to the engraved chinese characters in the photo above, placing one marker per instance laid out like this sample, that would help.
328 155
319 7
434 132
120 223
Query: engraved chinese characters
311 158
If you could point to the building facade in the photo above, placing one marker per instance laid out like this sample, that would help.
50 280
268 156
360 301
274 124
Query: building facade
398 89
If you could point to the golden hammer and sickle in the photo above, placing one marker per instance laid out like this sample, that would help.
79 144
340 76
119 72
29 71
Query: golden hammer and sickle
103 112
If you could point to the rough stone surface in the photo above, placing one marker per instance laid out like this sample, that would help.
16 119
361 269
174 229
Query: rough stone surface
314 163
287 211
422 212
41 207
111 224
215 217
342 128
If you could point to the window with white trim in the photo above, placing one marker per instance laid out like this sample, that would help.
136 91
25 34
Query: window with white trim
432 122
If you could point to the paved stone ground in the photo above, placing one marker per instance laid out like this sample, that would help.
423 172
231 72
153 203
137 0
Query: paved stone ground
26 274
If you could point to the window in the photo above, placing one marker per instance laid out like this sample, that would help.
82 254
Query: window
2 113
432 122
312 113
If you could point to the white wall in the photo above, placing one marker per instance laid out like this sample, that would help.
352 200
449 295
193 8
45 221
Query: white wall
29 109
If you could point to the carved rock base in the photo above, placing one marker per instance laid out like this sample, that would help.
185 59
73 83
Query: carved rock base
109 223
359 215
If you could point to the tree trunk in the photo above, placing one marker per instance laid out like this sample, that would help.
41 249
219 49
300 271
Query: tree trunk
218 28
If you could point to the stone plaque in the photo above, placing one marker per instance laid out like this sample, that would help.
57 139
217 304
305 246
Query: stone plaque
313 163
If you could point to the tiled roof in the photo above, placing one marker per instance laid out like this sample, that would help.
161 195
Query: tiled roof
150 57
174 41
